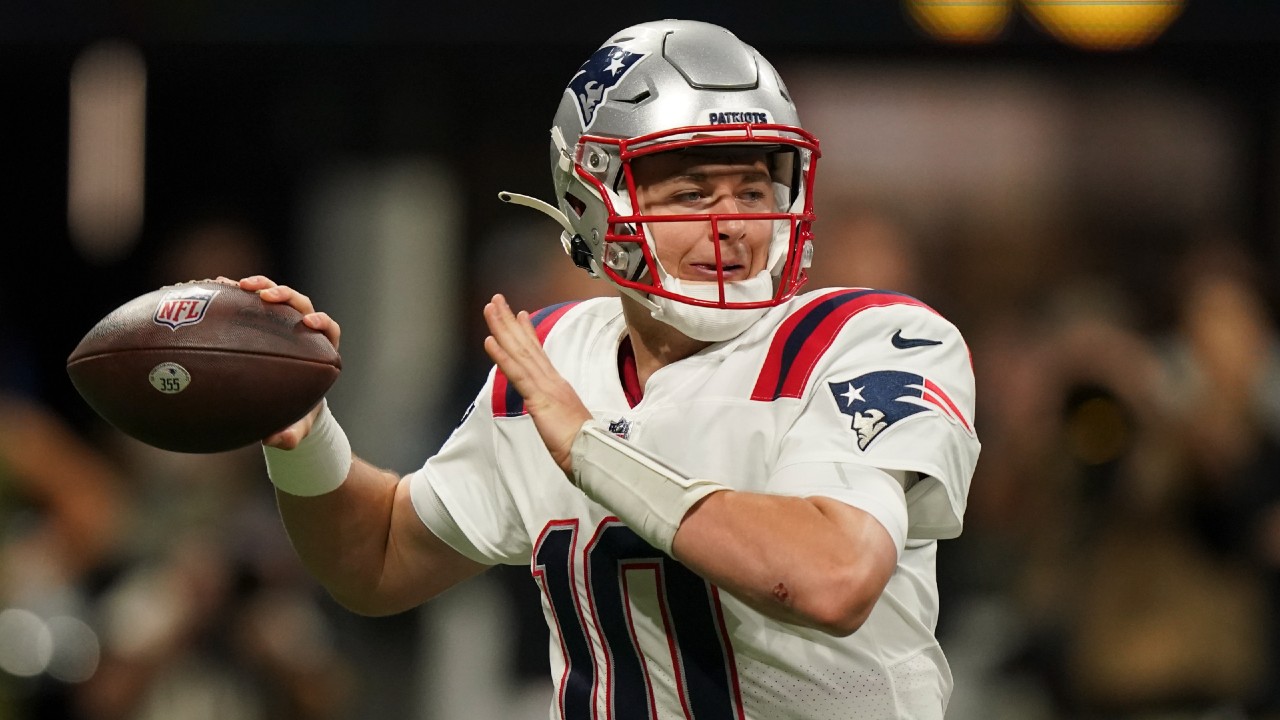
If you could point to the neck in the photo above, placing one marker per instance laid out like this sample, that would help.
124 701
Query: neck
655 343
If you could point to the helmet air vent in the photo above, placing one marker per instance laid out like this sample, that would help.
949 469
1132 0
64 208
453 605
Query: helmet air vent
644 95
711 58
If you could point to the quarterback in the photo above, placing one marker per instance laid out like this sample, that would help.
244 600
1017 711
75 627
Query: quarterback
730 492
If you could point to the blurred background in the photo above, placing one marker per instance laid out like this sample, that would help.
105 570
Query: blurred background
1089 189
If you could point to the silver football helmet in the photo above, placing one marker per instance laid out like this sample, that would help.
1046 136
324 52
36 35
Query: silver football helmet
667 86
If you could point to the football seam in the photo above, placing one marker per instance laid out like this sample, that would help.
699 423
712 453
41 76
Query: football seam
119 351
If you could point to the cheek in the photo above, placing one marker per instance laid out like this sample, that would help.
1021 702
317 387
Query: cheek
760 235
674 240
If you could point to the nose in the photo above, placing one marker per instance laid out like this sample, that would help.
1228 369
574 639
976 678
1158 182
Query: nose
727 224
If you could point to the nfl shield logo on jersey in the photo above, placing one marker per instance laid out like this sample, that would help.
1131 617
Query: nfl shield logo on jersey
597 77
621 427
879 399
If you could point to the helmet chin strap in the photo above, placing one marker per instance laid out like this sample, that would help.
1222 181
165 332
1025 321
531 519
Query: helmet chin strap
645 300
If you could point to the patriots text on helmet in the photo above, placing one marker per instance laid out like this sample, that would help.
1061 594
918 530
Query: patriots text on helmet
730 117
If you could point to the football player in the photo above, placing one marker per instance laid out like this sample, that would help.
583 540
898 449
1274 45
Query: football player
729 493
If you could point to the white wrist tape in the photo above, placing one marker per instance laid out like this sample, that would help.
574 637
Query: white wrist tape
646 494
318 465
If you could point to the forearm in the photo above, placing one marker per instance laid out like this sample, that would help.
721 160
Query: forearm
812 561
808 561
355 527
342 536
366 544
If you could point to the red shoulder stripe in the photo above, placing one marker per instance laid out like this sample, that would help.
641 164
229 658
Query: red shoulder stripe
804 336
932 388
507 401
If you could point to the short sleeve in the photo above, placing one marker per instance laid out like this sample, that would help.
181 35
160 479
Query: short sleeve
872 490
461 497
895 392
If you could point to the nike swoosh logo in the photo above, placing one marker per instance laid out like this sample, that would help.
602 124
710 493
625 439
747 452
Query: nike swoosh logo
904 343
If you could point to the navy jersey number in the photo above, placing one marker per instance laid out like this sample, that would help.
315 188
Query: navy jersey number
690 614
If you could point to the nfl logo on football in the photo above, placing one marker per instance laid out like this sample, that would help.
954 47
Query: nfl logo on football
183 307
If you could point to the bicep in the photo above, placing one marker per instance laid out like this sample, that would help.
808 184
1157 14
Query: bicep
419 565
813 561
866 533
876 493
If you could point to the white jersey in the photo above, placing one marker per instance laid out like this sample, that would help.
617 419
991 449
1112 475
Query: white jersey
858 395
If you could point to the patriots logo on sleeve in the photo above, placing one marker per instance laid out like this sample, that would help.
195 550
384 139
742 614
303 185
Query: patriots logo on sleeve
597 76
879 399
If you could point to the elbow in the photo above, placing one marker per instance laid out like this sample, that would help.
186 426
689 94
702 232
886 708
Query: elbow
842 602
354 589
840 618
371 607
363 604
382 600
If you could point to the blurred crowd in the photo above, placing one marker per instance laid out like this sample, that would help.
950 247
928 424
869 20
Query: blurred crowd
141 584
1121 557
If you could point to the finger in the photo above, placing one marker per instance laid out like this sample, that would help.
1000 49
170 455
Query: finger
503 326
504 349
499 356
254 283
527 337
289 437
515 332
526 323
498 312
321 322
523 360
286 439
517 372
289 296
518 352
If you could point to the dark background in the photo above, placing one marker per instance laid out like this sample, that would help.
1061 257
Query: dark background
245 98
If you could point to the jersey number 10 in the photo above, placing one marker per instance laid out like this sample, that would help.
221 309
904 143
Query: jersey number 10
688 611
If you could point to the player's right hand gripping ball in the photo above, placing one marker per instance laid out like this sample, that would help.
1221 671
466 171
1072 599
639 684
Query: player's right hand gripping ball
202 367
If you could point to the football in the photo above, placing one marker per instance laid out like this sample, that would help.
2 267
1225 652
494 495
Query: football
202 367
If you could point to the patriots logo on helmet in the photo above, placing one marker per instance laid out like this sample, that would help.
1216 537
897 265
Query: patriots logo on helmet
879 399
598 75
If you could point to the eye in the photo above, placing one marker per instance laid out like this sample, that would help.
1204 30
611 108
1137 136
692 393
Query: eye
754 196
687 196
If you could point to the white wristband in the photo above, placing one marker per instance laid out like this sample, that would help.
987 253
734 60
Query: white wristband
646 494
318 465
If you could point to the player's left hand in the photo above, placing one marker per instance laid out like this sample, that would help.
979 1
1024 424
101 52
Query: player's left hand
557 411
